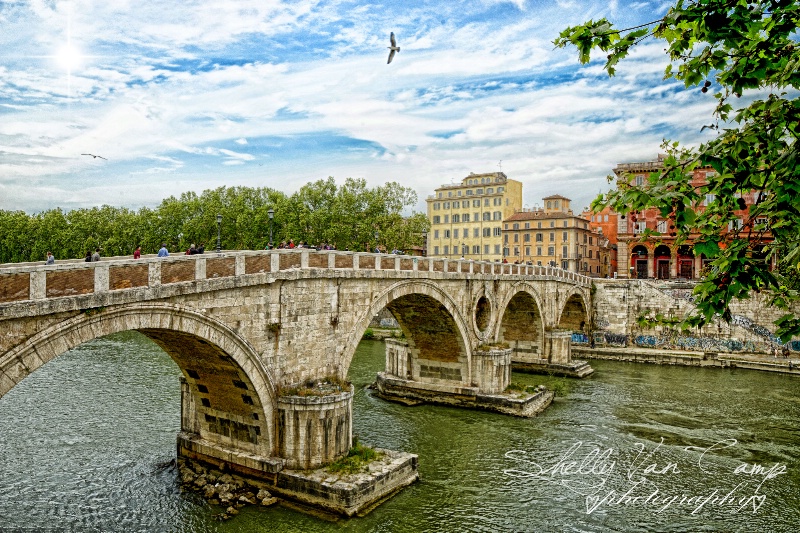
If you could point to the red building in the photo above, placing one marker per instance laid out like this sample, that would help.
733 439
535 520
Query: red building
606 224
658 256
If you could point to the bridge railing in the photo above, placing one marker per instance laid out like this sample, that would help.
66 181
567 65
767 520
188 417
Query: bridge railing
39 281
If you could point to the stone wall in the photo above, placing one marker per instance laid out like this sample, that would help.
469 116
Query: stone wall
618 304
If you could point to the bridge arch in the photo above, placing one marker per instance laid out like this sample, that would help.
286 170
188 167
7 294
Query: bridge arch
574 313
429 318
520 320
230 395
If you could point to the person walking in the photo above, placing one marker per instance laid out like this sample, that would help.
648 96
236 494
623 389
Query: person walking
50 259
163 252
96 255
88 257
137 253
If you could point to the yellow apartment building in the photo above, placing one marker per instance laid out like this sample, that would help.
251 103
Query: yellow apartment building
467 218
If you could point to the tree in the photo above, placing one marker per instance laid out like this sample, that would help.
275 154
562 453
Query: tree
750 51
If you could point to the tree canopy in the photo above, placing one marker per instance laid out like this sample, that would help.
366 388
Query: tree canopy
746 55
348 216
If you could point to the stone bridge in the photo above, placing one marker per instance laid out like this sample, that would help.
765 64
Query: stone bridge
247 329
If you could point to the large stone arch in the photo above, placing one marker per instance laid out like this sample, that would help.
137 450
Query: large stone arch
574 314
520 322
228 395
430 320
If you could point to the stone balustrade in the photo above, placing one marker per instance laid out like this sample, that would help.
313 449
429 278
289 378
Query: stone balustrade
40 282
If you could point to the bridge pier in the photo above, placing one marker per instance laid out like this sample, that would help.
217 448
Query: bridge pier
556 357
491 375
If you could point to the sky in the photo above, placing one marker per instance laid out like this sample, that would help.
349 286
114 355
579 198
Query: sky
189 95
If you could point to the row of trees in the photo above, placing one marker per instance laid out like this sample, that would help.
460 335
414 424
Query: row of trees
348 216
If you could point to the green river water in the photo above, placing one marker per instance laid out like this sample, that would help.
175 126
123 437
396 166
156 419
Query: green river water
86 444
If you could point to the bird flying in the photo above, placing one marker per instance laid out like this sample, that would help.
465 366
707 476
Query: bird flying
392 49
96 156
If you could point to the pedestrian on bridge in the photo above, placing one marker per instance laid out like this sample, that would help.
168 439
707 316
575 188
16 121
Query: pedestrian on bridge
50 259
163 252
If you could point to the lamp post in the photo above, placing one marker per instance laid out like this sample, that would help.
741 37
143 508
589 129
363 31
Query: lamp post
270 214
424 243
219 222
377 236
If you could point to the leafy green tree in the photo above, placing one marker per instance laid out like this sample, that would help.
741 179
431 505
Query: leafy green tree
746 55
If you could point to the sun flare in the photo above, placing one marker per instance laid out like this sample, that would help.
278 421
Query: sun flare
69 57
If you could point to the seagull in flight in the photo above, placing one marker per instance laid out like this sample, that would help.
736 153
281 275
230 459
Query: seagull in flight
96 156
392 49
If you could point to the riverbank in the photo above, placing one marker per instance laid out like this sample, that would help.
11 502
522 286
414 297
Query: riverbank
634 354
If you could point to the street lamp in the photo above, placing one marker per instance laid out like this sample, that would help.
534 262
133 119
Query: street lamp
424 243
219 222
271 215
377 249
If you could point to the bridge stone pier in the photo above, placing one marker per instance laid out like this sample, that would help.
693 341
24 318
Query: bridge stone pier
254 333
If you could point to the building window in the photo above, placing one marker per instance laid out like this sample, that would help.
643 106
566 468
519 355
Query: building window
486 202
436 234
549 204
499 189
449 195
639 227
498 215
476 232
446 234
469 192
709 199
446 205
455 233
516 251
735 224
552 223
551 250
490 191
497 231
527 250
605 218
590 254
436 219
538 237
446 250
565 236
456 204
516 237
661 226
539 225
527 225
552 236
498 201
435 250
584 238
486 249
639 180
565 265
505 252
527 237
505 238
476 249
465 217
459 193
591 240
564 251
505 226
487 216
437 206
538 250
447 219
516 225
496 249
456 219
487 232
476 202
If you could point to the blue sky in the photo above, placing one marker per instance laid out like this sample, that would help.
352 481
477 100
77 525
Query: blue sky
191 95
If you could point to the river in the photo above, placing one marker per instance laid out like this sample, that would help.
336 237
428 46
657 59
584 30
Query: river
86 443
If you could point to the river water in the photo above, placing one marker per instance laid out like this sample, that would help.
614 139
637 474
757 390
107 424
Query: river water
86 444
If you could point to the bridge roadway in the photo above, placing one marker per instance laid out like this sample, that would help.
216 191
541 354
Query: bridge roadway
248 328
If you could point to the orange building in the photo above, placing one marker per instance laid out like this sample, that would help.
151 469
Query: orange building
658 256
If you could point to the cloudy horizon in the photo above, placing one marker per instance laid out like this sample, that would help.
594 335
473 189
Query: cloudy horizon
199 95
